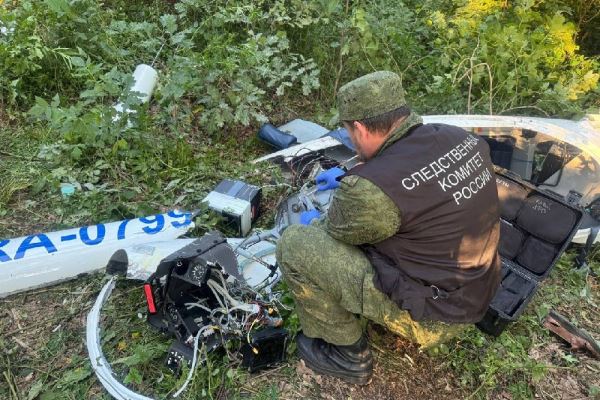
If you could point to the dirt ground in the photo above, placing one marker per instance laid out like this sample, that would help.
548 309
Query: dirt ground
43 333
401 372
43 356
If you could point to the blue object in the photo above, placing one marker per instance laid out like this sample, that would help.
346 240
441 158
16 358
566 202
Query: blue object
329 179
275 137
307 216
66 189
342 136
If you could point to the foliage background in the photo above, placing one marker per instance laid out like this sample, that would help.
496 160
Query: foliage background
225 67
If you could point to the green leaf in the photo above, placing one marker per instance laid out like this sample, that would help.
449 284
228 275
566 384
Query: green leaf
230 373
123 145
169 22
142 354
109 335
78 62
58 6
39 109
52 395
35 390
128 194
134 376
538 372
570 359
586 292
172 184
38 186
542 310
75 375
55 101
76 153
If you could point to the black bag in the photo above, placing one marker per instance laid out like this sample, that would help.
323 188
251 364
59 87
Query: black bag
513 290
511 240
517 284
537 255
546 219
536 227
506 301
511 196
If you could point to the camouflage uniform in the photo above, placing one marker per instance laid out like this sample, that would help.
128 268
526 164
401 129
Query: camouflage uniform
332 280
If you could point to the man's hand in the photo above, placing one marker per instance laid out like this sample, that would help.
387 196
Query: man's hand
328 179
307 216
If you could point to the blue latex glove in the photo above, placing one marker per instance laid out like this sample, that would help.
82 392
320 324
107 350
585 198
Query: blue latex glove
328 179
307 216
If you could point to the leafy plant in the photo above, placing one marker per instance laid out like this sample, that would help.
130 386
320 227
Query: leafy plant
224 68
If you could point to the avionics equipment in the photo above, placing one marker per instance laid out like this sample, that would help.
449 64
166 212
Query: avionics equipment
238 202
204 292
198 291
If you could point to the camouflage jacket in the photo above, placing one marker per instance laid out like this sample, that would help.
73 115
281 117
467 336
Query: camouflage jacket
360 212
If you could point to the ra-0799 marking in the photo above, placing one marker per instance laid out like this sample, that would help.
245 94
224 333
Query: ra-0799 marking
16 249
45 258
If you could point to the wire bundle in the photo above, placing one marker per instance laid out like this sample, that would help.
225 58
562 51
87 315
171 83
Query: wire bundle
240 310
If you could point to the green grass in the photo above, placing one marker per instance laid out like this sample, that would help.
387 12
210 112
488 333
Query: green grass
516 361
223 70
43 352
42 333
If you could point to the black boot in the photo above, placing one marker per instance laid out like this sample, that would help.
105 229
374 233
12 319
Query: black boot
353 364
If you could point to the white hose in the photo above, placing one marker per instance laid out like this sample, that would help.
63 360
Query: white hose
99 363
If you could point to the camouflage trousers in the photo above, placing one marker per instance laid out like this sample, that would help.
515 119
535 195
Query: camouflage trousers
332 283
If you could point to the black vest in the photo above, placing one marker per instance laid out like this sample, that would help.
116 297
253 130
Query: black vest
443 263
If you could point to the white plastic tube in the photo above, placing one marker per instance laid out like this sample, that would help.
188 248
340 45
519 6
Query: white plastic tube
45 258
144 81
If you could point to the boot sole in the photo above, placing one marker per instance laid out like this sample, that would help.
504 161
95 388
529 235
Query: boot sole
355 380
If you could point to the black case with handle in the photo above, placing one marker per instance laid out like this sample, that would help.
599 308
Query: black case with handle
536 228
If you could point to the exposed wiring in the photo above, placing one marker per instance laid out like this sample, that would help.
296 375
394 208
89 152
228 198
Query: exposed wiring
194 361
189 306
214 285
268 282
275 298
301 161
216 295
235 309
248 334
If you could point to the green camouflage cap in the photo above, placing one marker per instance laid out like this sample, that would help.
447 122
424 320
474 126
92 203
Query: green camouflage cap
370 95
